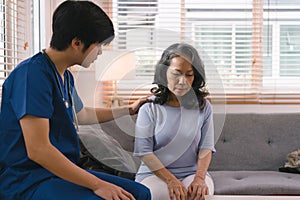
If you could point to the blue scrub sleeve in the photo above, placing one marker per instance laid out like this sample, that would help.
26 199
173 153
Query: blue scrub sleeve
77 101
32 93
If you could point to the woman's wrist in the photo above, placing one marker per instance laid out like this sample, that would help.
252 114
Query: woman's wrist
200 177
165 175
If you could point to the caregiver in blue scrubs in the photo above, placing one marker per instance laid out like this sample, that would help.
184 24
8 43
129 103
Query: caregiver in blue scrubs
39 145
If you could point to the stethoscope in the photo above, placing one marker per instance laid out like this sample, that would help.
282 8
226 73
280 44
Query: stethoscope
61 90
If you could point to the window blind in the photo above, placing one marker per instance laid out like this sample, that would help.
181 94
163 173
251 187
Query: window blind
250 48
13 35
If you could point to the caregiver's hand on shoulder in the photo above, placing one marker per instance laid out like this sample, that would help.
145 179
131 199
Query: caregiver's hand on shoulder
134 107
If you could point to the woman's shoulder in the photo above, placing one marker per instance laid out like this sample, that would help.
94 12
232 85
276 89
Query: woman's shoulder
207 107
207 102
149 106
152 108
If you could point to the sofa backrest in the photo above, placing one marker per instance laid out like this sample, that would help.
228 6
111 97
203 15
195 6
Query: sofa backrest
248 141
252 141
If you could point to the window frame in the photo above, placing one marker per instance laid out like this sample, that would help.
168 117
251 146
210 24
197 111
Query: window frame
272 88
16 24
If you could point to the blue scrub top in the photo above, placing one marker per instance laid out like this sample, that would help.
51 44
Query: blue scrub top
32 89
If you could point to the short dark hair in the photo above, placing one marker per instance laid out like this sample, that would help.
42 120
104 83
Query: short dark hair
83 20
198 90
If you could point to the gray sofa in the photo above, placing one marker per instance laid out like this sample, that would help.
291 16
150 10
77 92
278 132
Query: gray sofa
250 150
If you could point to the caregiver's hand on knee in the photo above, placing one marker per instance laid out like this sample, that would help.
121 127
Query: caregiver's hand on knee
110 191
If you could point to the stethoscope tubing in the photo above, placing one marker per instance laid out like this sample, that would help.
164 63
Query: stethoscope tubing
61 90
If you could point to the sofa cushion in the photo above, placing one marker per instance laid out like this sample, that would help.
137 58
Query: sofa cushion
252 141
122 130
255 182
102 149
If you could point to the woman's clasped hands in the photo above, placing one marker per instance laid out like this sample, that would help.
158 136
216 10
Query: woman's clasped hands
196 190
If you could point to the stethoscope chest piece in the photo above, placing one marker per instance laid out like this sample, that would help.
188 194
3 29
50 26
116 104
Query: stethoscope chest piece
66 103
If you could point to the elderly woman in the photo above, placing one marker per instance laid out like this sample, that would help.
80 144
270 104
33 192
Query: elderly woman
174 133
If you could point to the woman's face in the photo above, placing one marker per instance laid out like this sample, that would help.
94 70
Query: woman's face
180 76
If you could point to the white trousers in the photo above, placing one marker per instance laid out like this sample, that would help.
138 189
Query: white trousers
159 189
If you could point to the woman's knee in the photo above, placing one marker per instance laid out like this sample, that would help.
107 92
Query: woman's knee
158 188
210 184
208 180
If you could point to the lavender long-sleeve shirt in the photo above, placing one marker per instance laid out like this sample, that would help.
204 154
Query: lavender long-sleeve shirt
174 135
